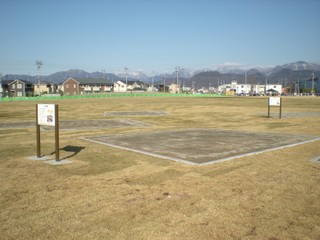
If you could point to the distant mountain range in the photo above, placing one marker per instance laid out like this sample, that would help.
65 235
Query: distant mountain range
285 74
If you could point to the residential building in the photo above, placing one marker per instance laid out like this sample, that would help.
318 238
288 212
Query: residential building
243 89
186 89
45 88
17 88
174 88
119 86
228 88
137 86
250 89
79 86
151 88
162 88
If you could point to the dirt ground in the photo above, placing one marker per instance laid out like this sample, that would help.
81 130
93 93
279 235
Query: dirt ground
112 193
202 146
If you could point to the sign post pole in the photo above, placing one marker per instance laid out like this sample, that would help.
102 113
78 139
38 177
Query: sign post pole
57 133
38 134
280 108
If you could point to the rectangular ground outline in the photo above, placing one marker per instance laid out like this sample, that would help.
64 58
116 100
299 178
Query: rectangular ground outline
201 146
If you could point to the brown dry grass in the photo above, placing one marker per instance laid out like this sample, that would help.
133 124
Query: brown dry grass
109 193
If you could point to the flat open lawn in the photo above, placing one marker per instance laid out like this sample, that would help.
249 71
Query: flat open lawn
110 193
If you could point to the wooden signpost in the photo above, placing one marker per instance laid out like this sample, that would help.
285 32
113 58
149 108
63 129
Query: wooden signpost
275 101
47 115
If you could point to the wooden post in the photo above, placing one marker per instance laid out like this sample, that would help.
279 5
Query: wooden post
38 134
57 132
280 111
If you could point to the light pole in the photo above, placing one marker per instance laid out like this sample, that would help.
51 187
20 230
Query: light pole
39 64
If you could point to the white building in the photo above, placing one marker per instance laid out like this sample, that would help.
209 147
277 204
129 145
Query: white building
224 88
119 86
250 89
243 89
174 88
151 89
186 89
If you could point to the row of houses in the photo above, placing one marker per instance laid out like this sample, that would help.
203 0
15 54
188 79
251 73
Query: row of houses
250 89
24 88
80 86
74 86
71 86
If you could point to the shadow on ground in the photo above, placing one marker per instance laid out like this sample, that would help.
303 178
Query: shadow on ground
69 148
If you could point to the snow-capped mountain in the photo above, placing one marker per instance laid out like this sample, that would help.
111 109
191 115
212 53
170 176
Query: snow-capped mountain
267 70
228 71
133 75
300 66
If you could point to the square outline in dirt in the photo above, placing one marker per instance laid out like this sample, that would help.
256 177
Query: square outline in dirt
214 145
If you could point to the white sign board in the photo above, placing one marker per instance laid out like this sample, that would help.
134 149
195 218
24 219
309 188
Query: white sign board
274 101
46 114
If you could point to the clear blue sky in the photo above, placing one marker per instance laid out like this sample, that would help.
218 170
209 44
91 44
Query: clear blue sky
155 35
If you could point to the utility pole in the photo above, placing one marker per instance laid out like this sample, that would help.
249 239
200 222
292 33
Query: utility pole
297 88
1 89
265 86
177 71
312 90
152 80
245 77
126 71
164 84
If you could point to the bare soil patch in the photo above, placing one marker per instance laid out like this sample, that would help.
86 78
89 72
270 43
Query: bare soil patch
199 146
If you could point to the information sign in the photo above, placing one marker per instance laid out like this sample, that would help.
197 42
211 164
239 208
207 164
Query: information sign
274 101
46 114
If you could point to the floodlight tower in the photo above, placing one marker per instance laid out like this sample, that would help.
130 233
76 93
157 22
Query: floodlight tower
177 71
39 65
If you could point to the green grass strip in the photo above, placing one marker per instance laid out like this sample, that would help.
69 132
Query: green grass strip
108 95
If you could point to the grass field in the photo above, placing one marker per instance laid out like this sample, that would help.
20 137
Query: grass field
109 193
